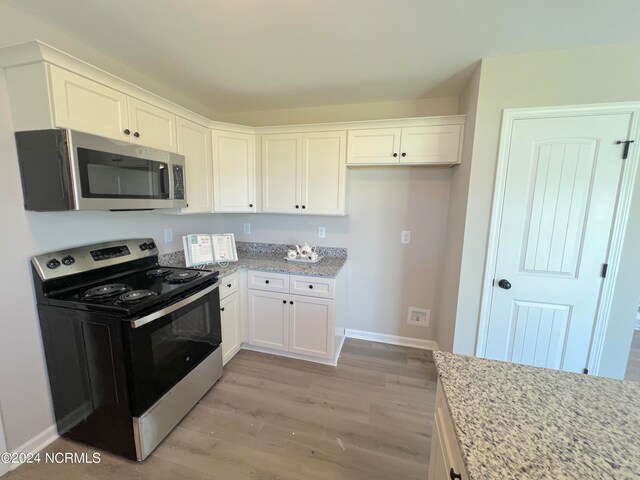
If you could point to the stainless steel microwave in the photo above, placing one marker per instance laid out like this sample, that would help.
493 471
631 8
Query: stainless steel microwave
64 169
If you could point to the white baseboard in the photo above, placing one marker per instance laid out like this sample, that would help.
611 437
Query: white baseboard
392 339
296 356
36 444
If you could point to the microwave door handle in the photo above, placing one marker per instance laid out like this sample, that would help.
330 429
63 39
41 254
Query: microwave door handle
173 307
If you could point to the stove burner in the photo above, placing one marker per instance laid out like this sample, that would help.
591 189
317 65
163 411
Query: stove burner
136 295
182 277
158 272
104 291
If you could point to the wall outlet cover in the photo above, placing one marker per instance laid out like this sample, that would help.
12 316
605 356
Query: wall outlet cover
168 235
321 232
419 316
405 237
247 228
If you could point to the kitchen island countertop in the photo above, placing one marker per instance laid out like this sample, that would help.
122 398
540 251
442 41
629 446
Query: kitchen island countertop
516 421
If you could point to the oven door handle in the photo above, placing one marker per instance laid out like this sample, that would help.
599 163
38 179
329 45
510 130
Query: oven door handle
172 308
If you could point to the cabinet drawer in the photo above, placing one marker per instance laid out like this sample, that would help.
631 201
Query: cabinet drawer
313 286
228 285
270 282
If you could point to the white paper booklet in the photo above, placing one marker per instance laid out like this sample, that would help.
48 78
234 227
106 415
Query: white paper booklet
204 248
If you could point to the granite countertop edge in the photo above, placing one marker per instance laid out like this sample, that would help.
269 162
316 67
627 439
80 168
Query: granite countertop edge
518 421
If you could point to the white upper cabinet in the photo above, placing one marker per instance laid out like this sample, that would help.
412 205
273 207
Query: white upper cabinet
324 173
304 173
281 155
234 171
152 126
374 146
419 145
84 105
88 106
194 142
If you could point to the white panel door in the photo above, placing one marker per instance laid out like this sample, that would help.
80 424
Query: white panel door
269 319
152 126
323 173
230 320
431 145
194 143
559 201
88 106
311 326
373 146
234 172
281 154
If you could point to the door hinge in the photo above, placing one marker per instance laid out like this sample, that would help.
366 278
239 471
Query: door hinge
603 270
625 152
585 371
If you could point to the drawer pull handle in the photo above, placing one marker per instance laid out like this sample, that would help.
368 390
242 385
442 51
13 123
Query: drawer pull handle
229 285
311 286
222 309
266 281
453 475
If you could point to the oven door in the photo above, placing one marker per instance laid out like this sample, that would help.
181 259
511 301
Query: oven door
166 345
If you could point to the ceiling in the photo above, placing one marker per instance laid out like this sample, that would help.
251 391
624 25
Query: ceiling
247 55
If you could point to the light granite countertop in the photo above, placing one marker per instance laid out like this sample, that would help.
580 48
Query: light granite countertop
270 258
515 421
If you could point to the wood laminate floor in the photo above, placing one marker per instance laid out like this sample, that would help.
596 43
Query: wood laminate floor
273 418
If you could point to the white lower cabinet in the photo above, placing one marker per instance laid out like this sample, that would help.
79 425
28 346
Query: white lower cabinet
269 319
281 318
445 461
231 331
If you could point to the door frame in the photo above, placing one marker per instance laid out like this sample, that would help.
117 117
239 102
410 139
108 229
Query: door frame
620 220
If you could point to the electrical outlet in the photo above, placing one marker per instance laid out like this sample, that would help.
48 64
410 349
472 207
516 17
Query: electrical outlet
247 228
419 316
168 235
405 237
321 232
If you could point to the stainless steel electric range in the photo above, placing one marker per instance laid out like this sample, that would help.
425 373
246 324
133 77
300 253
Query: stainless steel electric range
131 346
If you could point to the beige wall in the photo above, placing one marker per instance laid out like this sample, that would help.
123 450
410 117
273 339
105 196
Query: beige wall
344 113
460 176
579 76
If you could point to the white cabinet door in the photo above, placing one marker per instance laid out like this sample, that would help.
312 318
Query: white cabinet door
230 319
152 126
269 319
311 326
374 146
431 145
88 106
438 462
194 143
234 172
323 173
281 155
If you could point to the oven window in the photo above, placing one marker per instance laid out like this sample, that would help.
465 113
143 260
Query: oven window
106 175
165 350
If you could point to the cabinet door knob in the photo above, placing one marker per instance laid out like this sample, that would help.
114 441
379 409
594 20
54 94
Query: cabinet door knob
127 131
222 309
284 301
297 206
229 285
453 475
266 281
311 286
304 206
404 154
136 134
251 205
395 154
291 302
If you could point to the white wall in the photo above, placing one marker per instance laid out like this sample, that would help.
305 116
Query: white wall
420 107
24 396
569 77
460 176
385 277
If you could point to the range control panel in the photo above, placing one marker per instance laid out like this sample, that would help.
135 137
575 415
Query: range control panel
89 257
